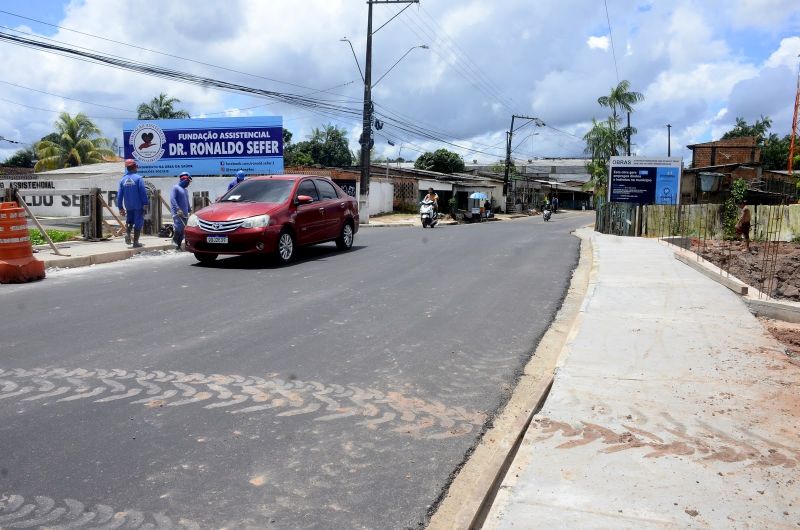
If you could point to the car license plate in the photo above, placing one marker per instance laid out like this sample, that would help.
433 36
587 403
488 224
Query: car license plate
216 239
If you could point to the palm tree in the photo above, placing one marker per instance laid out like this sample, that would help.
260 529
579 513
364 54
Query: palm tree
621 98
160 108
76 142
603 141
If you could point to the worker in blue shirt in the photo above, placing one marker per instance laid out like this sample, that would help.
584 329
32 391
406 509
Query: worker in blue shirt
240 176
179 205
131 201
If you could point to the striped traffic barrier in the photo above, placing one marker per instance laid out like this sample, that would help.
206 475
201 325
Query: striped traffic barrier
17 264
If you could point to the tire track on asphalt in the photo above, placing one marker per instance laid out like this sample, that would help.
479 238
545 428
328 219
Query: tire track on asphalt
236 394
44 512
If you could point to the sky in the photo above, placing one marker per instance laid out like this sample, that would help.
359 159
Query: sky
700 64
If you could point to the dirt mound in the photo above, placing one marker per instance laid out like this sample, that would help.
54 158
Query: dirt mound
786 333
755 268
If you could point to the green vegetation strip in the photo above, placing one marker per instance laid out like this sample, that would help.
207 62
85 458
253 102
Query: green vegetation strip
57 236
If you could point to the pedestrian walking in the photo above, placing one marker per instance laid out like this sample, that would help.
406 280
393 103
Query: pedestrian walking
179 206
240 176
131 201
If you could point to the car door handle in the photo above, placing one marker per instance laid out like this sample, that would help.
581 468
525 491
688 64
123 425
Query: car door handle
322 211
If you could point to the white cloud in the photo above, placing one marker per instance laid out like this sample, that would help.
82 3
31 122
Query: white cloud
599 43
788 54
487 60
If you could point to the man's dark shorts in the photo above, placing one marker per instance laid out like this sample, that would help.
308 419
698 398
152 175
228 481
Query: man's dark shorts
744 230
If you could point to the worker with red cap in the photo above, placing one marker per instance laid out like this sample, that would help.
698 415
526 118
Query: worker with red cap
131 201
179 206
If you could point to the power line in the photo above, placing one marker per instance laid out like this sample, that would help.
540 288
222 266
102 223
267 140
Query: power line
155 51
467 60
60 111
455 64
63 97
167 73
611 38
3 138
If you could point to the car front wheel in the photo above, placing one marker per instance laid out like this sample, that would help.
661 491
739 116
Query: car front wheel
286 247
345 239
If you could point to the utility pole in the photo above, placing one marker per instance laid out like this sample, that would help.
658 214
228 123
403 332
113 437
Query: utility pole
509 136
366 139
669 140
629 134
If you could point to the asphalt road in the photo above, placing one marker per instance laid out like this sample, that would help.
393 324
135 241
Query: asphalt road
339 392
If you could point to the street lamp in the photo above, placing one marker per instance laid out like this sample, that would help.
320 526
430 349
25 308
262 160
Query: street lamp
345 39
423 46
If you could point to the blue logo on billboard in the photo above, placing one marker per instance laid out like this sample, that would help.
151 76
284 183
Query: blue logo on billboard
147 142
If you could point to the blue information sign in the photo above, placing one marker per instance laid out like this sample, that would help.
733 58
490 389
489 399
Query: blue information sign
642 180
206 146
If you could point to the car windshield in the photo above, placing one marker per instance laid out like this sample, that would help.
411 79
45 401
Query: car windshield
260 191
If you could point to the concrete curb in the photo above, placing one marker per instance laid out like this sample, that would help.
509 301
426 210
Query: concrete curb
785 311
103 257
471 493
733 284
774 310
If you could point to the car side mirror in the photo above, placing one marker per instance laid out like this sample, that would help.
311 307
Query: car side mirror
304 199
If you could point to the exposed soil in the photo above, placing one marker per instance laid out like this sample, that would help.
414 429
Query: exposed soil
753 268
787 334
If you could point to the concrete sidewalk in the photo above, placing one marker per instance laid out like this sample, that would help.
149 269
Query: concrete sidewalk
671 408
85 253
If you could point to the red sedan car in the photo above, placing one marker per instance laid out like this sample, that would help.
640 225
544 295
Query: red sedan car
274 214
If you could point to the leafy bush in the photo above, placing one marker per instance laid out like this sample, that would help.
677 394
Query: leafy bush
731 208
57 236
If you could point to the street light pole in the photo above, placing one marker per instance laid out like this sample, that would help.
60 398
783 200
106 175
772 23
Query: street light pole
510 134
669 140
366 140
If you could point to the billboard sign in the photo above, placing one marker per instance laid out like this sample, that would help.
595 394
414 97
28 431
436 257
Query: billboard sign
642 180
206 146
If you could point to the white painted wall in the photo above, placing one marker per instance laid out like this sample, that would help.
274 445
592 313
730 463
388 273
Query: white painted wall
381 196
69 205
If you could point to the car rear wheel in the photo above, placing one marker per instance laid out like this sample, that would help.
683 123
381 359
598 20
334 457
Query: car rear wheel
345 239
205 258
286 247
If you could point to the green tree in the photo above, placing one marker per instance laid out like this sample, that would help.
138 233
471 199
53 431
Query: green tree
441 160
325 147
78 142
499 168
22 158
759 129
603 141
774 149
622 99
160 108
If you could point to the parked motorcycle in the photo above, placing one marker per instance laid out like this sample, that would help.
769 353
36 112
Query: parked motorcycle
427 214
547 213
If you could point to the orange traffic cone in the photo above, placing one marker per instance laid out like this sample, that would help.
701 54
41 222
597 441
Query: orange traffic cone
17 264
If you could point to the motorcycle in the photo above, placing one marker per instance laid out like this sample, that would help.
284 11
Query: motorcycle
547 213
427 214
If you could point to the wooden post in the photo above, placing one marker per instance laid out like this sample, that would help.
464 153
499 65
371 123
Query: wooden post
114 214
21 202
97 212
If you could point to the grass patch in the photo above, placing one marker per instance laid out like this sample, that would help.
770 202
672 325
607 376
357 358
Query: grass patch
58 236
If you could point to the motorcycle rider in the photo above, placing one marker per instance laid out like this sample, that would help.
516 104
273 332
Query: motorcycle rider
434 198
240 176
179 205
131 201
